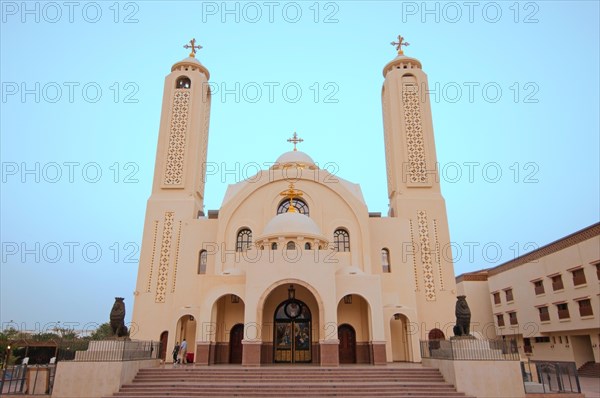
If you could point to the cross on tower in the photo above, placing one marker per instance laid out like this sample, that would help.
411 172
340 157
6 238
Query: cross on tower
193 46
295 140
399 45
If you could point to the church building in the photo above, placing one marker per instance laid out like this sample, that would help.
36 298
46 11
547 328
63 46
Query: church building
293 268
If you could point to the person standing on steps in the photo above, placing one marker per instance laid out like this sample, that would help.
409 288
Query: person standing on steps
176 353
183 351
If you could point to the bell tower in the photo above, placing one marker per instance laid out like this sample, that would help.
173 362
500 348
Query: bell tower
179 173
413 184
179 178
408 130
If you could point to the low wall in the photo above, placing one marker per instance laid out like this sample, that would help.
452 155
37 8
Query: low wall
95 379
482 379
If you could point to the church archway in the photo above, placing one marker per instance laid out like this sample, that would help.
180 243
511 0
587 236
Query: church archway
354 310
186 330
290 326
227 315
347 348
401 345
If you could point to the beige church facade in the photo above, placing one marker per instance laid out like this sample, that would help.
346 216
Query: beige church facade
293 268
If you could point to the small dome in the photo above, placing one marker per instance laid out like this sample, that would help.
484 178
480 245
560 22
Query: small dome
292 158
291 225
191 63
402 62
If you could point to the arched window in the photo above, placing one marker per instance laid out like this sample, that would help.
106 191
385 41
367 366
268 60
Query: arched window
183 82
273 246
244 240
307 246
341 240
385 260
291 246
299 205
202 259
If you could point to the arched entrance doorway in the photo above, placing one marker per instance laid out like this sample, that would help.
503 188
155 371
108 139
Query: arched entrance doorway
302 322
353 311
347 337
186 330
164 339
401 347
228 317
292 332
235 343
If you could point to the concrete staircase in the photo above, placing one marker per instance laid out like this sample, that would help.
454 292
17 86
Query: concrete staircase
289 381
589 369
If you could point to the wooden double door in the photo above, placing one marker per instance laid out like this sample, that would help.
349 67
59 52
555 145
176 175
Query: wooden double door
347 337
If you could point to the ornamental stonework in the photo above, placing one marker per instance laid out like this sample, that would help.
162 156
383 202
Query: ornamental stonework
165 256
177 138
154 234
428 277
414 256
415 143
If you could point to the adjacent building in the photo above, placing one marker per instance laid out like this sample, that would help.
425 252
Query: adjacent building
548 299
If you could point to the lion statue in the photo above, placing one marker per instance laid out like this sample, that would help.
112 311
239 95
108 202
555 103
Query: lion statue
117 318
463 317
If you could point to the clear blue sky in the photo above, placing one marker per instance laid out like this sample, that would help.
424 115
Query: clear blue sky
516 93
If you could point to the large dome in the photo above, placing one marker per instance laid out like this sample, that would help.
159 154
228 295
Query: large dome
294 158
291 224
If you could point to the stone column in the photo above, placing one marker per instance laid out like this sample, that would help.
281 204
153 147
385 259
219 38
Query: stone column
251 352
330 354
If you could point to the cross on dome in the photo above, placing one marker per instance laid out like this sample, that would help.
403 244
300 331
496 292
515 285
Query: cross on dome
399 45
290 194
193 46
295 140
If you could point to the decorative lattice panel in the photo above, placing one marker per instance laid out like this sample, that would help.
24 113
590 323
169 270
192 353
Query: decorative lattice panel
176 258
415 144
414 256
154 234
428 279
165 255
177 137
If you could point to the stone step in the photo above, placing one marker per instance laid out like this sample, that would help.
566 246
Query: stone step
293 381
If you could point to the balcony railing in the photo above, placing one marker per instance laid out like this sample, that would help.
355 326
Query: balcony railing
470 349
541 377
